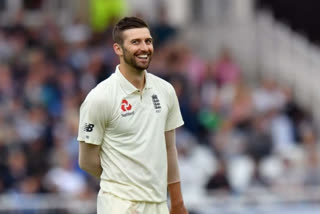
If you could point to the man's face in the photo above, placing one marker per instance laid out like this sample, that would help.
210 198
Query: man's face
137 48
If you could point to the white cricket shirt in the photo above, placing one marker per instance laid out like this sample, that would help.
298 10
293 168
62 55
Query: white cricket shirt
130 125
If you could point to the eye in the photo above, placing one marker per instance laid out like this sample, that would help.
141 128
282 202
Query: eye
149 41
134 41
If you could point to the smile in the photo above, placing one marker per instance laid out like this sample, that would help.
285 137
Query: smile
145 56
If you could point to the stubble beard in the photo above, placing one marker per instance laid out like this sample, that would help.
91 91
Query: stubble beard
131 60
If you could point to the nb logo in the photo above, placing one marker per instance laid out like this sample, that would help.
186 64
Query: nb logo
88 127
125 106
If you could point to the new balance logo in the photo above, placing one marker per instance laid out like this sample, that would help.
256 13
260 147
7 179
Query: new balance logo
156 103
88 127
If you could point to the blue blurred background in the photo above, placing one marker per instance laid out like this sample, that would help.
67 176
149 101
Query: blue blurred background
246 74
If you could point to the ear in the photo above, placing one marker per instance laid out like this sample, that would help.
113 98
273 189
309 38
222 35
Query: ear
117 49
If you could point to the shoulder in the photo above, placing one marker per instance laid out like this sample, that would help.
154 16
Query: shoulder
160 83
103 92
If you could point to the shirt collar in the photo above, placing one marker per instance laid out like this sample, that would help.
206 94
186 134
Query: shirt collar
127 86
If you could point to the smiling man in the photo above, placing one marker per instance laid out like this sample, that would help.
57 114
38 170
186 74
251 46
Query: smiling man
127 131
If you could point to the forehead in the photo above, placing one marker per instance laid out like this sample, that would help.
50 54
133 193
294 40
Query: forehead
136 33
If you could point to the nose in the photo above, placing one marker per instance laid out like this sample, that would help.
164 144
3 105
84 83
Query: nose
144 46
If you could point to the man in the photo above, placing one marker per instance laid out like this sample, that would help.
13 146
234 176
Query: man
127 131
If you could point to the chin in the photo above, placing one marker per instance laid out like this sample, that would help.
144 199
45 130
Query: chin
142 67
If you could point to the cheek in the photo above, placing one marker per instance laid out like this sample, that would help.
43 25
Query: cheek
151 49
131 50
127 52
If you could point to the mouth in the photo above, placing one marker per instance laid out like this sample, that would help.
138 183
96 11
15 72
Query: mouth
143 57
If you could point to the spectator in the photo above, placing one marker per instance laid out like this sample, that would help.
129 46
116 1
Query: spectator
162 31
219 180
64 179
226 70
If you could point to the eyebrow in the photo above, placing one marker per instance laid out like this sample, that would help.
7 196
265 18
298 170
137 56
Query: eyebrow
142 39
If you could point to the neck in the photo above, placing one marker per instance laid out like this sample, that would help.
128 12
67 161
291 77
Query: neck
134 76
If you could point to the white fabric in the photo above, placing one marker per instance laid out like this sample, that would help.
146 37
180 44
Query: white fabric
266 100
282 133
130 125
111 204
66 181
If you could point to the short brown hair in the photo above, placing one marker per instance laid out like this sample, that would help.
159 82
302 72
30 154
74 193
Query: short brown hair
127 23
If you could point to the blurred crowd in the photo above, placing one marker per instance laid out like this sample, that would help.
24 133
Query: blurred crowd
237 134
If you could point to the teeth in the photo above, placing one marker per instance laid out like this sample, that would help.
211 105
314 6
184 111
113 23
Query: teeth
143 56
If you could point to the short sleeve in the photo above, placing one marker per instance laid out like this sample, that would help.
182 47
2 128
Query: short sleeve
174 118
93 120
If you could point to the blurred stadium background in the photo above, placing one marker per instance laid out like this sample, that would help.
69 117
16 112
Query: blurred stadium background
246 74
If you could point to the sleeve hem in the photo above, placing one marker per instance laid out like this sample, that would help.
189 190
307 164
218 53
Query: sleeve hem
175 126
89 142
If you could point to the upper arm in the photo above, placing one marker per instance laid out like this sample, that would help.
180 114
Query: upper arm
88 154
93 119
170 137
172 157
